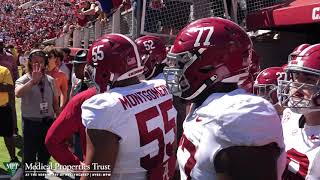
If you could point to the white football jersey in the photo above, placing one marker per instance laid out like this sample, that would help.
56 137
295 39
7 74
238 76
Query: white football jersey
160 77
225 120
144 117
302 146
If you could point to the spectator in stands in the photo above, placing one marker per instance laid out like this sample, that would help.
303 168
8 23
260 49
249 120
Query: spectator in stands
81 19
110 8
39 104
106 9
34 24
89 9
60 78
86 12
7 61
7 123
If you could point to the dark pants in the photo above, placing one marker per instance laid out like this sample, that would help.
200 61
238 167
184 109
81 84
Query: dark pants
6 127
34 134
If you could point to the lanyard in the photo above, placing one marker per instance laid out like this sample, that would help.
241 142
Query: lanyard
41 87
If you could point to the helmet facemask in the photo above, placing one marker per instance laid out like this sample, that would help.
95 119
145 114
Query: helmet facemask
90 76
300 96
174 74
152 68
266 91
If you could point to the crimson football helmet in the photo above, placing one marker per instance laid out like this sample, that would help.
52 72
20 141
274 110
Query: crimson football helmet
153 53
300 89
297 51
205 52
284 66
254 68
266 83
114 57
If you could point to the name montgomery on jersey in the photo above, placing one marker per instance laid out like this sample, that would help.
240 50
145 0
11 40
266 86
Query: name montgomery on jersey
140 97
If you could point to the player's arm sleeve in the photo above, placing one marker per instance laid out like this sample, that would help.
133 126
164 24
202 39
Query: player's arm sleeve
61 131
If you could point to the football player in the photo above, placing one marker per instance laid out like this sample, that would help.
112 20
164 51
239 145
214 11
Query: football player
228 133
266 85
300 93
130 127
153 53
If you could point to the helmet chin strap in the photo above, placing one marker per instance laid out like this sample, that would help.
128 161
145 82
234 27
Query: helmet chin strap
111 81
305 111
203 87
151 74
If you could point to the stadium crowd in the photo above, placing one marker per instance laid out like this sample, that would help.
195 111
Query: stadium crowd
26 23
26 26
201 109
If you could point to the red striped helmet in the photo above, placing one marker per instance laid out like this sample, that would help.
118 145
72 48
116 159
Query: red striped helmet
153 53
297 50
266 83
114 57
205 52
301 87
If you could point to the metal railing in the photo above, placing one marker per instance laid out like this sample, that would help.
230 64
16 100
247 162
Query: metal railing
163 20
